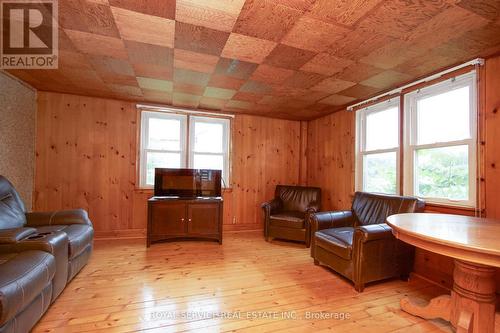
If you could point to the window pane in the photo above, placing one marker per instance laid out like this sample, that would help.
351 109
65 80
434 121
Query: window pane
382 129
442 173
214 162
444 117
208 137
160 160
164 134
379 173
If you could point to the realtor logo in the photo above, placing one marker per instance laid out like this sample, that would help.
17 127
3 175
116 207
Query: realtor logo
29 34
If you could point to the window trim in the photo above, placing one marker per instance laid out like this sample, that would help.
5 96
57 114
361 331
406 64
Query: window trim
187 140
410 137
226 124
360 143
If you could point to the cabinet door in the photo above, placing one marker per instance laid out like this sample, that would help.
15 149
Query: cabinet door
169 218
203 219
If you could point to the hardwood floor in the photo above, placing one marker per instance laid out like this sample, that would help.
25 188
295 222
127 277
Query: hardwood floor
192 286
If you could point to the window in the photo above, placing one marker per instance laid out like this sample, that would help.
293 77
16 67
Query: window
440 142
165 144
377 157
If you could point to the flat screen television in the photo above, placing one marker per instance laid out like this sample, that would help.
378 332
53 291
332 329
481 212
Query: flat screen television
187 183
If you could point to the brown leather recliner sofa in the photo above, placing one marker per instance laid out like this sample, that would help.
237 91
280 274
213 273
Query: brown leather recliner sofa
39 254
358 243
287 215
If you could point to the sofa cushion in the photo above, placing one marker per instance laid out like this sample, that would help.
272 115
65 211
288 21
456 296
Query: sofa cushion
288 220
336 240
24 276
79 236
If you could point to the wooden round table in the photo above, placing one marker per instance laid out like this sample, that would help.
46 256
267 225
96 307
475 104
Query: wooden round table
474 243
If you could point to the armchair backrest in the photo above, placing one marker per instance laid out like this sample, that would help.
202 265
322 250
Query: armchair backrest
298 198
369 208
11 206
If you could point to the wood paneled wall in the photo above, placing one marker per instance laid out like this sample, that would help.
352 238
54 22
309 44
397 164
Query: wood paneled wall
330 158
86 152
330 161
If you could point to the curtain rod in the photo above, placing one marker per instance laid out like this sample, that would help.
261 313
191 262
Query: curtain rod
477 61
174 109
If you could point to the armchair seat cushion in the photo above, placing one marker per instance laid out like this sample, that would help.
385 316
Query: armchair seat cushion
336 240
79 236
288 219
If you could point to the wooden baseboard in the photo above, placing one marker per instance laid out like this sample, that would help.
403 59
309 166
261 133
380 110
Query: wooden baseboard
120 234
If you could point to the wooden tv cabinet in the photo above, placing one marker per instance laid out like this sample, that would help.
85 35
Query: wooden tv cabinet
172 218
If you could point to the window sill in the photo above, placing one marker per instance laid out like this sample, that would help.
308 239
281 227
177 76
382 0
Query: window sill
449 209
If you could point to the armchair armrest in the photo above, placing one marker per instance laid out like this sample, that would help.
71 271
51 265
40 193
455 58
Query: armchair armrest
12 236
272 206
313 207
62 217
373 232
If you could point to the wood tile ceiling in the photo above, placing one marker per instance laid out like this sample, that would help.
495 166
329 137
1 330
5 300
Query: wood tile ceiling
294 59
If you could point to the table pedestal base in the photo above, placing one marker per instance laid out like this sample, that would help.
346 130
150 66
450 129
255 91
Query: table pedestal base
471 306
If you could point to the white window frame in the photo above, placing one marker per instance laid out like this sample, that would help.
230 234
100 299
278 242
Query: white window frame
410 137
186 141
361 152
225 142
145 117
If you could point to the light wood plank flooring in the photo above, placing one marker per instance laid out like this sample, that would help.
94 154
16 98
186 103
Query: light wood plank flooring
244 285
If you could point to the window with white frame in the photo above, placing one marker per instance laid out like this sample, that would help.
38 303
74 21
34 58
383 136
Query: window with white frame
171 140
377 142
440 142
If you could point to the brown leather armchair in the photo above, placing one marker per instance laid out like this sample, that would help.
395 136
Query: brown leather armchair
358 244
287 215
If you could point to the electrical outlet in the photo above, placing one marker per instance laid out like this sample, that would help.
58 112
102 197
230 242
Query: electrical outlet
234 219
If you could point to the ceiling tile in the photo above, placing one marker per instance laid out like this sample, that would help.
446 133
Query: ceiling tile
358 43
157 96
266 19
153 29
154 71
191 77
313 35
358 72
199 39
141 53
303 79
337 100
247 48
486 8
270 74
162 8
346 12
398 17
288 57
220 93
246 96
326 64
155 84
235 68
185 100
200 62
212 103
111 65
386 79
87 16
187 88
359 91
218 15
392 54
255 87
332 85
223 81
97 44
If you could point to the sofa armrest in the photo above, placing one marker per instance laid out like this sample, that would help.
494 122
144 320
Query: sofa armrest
61 217
12 236
373 232
272 206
